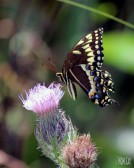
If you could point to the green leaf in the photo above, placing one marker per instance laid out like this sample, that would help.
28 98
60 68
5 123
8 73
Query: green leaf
119 50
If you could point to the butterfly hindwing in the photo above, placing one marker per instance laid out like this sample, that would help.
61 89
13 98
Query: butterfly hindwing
93 83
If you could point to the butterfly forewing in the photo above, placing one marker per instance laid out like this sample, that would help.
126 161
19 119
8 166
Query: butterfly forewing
88 50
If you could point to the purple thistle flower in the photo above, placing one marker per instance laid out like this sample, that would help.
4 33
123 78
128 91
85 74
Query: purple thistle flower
41 99
53 129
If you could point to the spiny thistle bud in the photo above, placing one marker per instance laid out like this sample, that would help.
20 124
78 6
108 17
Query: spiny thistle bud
53 129
79 153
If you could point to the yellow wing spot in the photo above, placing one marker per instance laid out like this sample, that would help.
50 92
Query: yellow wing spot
101 81
96 101
109 100
98 73
88 50
104 89
96 31
109 83
90 54
80 42
97 38
108 74
89 36
89 41
90 59
96 34
97 46
91 67
106 97
102 101
91 79
86 46
101 29
76 52
105 75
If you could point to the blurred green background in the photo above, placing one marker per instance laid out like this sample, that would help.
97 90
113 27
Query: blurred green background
33 31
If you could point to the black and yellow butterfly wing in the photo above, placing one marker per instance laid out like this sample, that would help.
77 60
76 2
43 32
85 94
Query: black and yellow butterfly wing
87 51
82 66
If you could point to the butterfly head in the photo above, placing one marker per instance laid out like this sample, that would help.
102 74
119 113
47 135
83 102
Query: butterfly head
61 77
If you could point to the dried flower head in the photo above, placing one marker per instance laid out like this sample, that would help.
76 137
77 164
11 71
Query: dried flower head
41 99
80 153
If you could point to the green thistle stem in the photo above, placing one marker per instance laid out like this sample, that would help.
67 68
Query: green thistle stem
98 12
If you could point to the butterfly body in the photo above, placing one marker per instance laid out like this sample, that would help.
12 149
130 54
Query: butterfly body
82 67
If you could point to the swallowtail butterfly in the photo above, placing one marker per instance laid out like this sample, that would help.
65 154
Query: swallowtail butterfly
83 67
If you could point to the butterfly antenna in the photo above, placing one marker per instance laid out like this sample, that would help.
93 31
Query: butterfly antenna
50 66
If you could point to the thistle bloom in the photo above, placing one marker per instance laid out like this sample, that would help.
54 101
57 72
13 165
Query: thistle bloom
41 99
80 153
